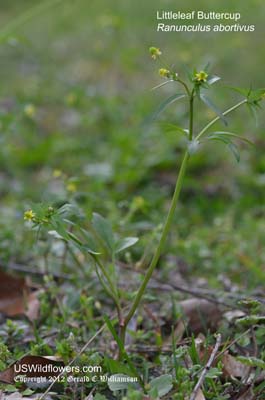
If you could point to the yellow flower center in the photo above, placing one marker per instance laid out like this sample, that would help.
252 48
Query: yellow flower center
29 215
71 187
30 110
201 76
165 73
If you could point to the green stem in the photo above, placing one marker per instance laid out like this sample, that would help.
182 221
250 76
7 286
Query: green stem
185 86
161 243
110 293
107 277
211 123
191 115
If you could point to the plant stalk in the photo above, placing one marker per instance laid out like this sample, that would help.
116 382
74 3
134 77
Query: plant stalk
208 126
161 243
191 115
167 224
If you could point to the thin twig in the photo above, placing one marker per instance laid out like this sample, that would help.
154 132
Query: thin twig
156 283
206 368
232 343
34 271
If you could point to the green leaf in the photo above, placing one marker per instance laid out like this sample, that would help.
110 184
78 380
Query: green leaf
193 352
251 320
232 135
59 227
213 79
104 230
207 66
234 150
253 113
62 233
121 347
245 92
99 396
189 73
255 95
174 128
170 100
55 235
89 239
248 93
85 249
123 244
80 245
163 384
252 361
232 146
10 388
70 210
162 84
213 107
118 382
213 373
27 392
116 367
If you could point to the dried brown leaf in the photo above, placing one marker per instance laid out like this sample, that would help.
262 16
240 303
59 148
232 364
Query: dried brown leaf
247 394
48 362
234 368
19 396
200 395
16 297
201 314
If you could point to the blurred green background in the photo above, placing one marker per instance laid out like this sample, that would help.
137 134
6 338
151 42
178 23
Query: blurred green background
75 97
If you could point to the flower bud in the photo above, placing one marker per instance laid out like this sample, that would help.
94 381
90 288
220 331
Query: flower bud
155 52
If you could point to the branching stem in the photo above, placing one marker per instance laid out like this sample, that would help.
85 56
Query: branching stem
216 119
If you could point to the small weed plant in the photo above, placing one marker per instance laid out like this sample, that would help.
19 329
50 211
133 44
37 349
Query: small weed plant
102 247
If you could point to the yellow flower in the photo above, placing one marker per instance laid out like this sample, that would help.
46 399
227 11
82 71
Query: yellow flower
71 99
155 52
201 76
165 73
71 187
29 215
57 173
138 202
29 110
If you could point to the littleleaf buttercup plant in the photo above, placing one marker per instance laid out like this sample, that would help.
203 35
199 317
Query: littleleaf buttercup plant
103 252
